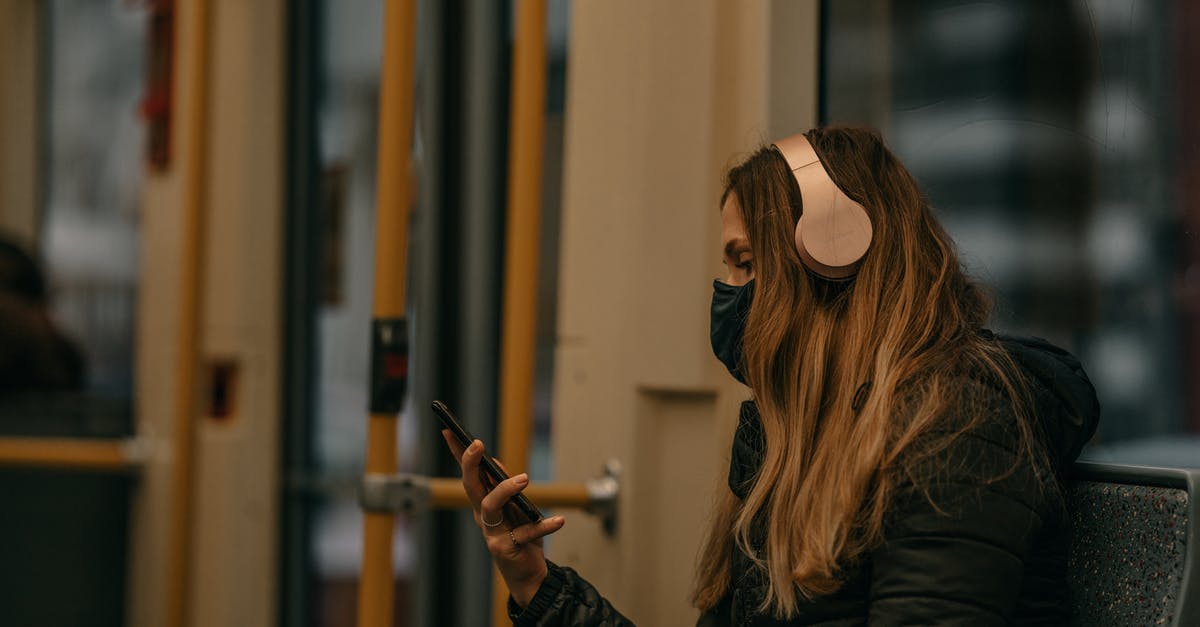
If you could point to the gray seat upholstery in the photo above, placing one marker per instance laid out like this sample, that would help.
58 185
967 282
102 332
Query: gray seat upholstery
1134 549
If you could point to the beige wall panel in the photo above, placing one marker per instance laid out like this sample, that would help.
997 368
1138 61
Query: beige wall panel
234 555
674 431
740 90
19 118
662 96
156 358
237 460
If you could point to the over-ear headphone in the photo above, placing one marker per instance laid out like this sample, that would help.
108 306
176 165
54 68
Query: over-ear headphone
833 232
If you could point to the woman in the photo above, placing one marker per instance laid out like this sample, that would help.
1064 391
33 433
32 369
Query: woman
899 464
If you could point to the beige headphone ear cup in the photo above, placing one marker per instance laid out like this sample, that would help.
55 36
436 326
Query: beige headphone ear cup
832 243
833 232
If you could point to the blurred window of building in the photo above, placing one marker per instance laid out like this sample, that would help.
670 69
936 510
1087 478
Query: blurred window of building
1053 140
68 287
68 359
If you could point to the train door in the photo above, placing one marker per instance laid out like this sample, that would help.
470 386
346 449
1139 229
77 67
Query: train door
142 165
638 385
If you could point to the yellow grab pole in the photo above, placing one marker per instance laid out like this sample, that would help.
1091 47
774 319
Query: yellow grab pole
376 587
190 301
521 249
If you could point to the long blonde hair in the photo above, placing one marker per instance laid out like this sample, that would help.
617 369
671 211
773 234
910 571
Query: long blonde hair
898 336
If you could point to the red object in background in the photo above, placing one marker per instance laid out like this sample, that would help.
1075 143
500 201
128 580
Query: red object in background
395 366
155 107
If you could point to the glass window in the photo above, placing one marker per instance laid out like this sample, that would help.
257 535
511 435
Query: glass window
347 126
455 285
1051 138
67 300
68 340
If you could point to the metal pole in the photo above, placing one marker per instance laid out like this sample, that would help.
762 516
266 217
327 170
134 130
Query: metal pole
190 303
482 116
518 334
376 587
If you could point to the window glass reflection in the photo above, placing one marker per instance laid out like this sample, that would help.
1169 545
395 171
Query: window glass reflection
347 123
1049 136
69 299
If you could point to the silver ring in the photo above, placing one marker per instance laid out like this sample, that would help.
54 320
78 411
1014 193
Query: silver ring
490 525
514 539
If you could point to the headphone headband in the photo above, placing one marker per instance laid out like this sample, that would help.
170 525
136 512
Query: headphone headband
833 232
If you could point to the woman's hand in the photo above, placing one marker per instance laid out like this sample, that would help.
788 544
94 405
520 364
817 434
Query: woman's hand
516 546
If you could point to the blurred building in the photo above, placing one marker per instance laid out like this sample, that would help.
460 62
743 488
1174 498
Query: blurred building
1047 134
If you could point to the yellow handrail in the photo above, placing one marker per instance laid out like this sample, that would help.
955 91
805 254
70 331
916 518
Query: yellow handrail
190 301
71 453
375 592
521 250
448 494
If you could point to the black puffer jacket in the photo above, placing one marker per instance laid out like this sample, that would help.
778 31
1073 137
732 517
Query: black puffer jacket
993 551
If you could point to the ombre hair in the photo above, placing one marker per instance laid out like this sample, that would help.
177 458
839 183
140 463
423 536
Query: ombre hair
852 380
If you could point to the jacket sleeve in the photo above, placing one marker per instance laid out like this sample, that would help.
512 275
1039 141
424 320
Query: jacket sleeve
564 599
954 550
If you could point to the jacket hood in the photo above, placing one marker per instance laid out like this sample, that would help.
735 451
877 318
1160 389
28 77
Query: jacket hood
1066 408
1065 400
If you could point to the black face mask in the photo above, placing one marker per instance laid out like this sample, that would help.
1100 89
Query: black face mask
730 307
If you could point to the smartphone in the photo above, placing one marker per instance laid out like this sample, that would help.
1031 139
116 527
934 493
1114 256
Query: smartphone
464 437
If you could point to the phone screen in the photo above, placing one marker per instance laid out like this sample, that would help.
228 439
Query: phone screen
489 465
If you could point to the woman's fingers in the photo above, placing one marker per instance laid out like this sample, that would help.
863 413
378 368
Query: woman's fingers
487 499
492 506
526 534
469 460
456 449
506 543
